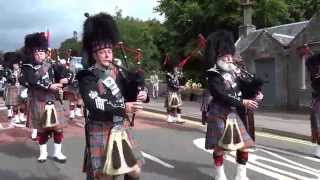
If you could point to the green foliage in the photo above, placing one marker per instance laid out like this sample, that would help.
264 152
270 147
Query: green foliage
300 10
185 19
69 43
270 13
137 34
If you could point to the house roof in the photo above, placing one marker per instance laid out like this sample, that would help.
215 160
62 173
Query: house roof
284 34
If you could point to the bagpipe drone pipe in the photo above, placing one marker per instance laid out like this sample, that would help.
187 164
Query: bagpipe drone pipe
249 84
134 77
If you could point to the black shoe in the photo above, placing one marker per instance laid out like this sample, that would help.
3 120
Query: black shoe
42 160
62 161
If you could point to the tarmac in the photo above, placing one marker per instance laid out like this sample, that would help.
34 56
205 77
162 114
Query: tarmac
283 123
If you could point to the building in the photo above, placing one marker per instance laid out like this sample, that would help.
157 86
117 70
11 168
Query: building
277 55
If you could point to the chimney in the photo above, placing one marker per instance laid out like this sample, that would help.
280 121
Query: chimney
75 35
247 27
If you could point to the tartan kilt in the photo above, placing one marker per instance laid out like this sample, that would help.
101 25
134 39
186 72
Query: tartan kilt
97 136
315 120
215 130
12 95
36 110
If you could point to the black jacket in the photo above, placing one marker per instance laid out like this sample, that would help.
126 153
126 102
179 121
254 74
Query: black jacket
34 77
101 105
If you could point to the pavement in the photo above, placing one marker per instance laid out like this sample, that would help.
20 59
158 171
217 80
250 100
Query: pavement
289 124
283 123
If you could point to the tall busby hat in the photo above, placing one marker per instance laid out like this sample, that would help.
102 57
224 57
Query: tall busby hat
313 60
99 31
36 42
11 58
312 63
218 44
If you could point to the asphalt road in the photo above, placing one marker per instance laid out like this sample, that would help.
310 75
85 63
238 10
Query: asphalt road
171 151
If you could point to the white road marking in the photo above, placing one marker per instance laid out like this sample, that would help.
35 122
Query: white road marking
268 170
272 136
290 163
157 160
3 108
289 153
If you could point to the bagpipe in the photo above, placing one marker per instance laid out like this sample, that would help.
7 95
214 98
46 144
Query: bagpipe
249 84
120 157
135 80
201 43
169 66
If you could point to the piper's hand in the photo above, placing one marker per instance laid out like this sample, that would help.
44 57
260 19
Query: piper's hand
142 96
132 107
259 97
56 86
250 104
64 81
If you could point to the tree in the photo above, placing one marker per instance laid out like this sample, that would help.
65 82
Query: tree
69 43
140 34
185 19
300 10
135 34
270 13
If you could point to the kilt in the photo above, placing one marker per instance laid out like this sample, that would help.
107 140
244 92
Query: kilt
12 95
215 129
97 136
315 120
250 124
36 108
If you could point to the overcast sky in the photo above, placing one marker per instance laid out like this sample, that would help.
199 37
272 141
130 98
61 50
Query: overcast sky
61 17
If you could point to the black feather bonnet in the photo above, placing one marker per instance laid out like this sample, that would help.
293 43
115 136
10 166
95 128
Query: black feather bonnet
99 31
36 42
218 44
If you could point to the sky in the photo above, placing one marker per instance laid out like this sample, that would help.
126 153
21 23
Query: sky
61 17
